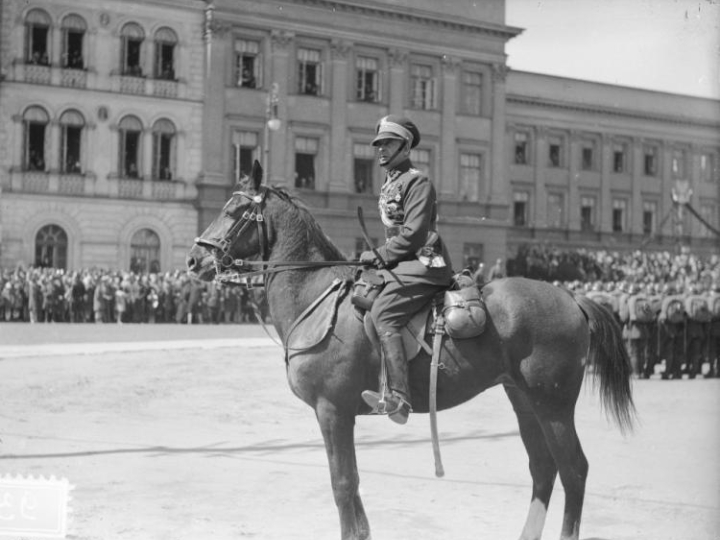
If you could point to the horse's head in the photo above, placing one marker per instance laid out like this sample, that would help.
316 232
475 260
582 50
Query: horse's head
235 234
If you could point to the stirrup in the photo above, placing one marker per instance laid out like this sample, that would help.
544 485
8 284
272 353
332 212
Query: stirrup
392 404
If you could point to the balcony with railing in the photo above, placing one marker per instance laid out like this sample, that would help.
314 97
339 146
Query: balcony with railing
75 78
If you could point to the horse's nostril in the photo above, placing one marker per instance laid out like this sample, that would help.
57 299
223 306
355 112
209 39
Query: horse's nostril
191 263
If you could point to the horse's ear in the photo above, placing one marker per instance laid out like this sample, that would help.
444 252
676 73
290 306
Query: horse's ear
256 174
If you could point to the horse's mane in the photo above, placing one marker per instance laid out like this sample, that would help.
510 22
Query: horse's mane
303 220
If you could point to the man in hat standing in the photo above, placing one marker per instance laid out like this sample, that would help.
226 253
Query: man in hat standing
413 251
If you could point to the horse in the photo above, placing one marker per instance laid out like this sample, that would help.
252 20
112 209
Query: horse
539 342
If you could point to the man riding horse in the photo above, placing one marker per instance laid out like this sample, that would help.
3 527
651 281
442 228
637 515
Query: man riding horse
413 251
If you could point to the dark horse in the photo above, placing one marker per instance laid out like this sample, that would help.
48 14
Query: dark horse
539 340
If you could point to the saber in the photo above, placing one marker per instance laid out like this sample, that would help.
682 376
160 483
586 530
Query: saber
366 236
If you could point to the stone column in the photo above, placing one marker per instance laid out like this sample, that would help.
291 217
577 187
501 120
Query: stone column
398 68
281 157
339 180
540 160
447 184
499 185
573 202
605 206
636 209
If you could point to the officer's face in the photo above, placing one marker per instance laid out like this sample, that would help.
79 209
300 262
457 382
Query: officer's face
389 152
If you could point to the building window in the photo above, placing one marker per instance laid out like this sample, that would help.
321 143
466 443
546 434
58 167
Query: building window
367 86
132 39
73 29
619 158
520 208
470 177
555 153
130 130
37 43
163 164
51 245
244 153
306 150
248 63
471 93
708 173
522 148
678 164
35 122
619 215
587 214
309 72
473 255
649 218
145 252
165 43
363 168
587 156
555 210
650 161
71 128
422 87
420 158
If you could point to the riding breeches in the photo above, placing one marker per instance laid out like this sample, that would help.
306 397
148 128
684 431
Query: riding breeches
396 304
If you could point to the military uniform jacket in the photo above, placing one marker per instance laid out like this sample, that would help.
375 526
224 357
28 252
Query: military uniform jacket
408 208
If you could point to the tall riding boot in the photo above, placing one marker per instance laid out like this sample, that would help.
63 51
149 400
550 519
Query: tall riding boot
396 403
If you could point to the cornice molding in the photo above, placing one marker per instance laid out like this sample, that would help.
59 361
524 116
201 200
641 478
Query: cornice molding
605 111
414 17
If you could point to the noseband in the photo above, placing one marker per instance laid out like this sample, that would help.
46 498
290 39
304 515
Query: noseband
220 249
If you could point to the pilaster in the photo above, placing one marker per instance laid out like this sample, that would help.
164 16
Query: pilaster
398 68
339 180
498 188
448 181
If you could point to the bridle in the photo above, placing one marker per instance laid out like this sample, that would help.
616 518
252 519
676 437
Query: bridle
220 249
231 270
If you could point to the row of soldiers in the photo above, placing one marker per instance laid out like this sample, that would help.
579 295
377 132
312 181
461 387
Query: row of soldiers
663 324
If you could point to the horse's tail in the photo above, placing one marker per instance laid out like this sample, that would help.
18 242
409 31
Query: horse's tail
610 363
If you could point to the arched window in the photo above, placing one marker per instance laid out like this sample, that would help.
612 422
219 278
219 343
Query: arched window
73 29
51 244
35 122
37 37
130 132
163 133
165 43
71 127
145 252
132 36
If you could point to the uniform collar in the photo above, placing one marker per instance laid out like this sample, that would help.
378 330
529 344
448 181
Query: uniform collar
399 169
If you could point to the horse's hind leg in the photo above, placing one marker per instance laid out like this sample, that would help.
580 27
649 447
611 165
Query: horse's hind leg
542 464
338 429
558 425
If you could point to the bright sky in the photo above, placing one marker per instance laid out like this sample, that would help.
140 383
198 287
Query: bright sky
665 45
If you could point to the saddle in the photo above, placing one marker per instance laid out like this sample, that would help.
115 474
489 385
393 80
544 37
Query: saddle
461 307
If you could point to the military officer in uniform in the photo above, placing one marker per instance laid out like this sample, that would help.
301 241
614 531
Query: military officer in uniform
413 251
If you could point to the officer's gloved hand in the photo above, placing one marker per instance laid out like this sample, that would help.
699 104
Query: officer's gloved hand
368 258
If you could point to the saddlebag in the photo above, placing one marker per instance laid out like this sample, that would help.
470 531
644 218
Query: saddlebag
464 313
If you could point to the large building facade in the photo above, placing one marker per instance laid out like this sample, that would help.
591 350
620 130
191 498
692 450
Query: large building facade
124 126
101 109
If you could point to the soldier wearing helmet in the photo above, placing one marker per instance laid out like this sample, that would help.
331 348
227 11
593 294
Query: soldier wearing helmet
413 250
671 332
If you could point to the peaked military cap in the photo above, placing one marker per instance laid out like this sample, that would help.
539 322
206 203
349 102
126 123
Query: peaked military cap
393 126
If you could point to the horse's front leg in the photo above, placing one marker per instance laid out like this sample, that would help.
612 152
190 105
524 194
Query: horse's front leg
338 429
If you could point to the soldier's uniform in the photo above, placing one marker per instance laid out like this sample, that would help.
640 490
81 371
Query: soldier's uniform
655 300
636 314
671 330
413 251
696 331
714 333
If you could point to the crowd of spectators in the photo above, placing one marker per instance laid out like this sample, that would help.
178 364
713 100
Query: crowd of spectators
683 270
102 296
106 296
